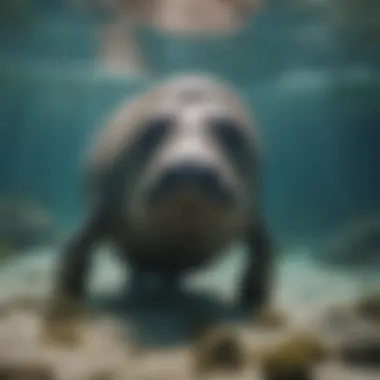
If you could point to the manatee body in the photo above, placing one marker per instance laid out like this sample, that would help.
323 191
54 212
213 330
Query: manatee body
172 181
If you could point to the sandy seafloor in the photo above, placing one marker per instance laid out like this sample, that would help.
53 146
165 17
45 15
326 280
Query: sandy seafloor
303 291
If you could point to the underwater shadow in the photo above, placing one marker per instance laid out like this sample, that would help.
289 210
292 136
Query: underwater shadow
168 318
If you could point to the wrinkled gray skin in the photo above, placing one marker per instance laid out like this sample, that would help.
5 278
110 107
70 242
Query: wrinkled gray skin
159 239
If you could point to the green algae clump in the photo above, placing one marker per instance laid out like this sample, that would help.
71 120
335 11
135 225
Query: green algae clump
219 349
293 359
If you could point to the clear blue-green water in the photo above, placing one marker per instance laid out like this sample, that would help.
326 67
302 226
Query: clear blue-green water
318 113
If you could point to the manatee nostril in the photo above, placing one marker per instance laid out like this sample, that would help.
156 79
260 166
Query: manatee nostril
194 175
206 180
210 179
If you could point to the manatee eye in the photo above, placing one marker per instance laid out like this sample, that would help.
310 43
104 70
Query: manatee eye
233 140
153 132
229 135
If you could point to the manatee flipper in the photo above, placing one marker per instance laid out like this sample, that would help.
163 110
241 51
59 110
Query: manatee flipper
256 284
75 262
